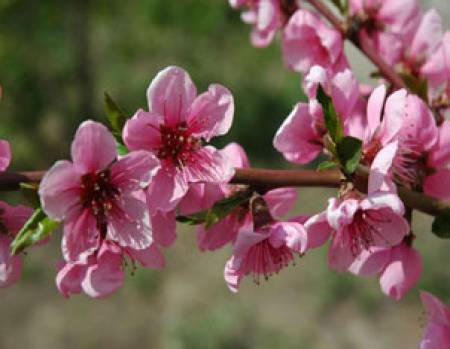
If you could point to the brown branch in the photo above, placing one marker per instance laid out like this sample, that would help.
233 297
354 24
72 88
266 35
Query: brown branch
269 179
365 46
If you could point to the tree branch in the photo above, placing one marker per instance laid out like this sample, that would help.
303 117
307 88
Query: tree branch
270 179
365 46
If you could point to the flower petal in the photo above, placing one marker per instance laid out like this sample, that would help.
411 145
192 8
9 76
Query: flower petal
371 261
129 224
392 121
164 228
171 94
106 276
5 154
142 131
134 171
318 231
211 113
280 201
374 108
437 312
10 266
380 175
93 148
150 257
440 154
236 155
69 278
296 139
60 190
438 184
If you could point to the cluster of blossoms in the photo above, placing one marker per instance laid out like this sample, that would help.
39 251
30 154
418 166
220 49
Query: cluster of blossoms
121 210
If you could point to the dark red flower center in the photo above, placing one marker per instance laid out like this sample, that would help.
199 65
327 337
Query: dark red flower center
177 144
363 229
265 259
99 195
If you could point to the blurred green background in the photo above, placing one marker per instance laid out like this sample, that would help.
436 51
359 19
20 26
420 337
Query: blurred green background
56 60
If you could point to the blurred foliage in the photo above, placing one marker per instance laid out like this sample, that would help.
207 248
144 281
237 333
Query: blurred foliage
58 58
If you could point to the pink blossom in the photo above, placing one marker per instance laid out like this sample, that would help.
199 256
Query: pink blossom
173 129
102 273
359 224
93 195
437 68
11 221
437 332
388 25
263 252
264 15
384 121
308 41
426 40
203 196
398 267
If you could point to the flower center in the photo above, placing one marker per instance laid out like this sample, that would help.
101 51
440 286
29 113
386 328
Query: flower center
264 259
363 229
177 144
410 167
98 195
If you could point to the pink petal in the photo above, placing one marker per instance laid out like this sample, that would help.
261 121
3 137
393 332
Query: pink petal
440 154
393 117
81 236
345 92
318 231
437 68
371 261
438 184
296 139
219 234
340 214
106 276
402 273
142 131
381 200
129 225
93 147
10 266
437 312
164 228
380 175
232 276
166 189
340 256
200 197
419 125
14 217
436 337
246 239
428 36
374 108
69 278
134 171
171 94
150 257
236 155
281 200
5 154
60 190
208 165
295 236
211 113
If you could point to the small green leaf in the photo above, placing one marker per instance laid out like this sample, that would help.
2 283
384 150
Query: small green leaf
326 165
115 115
219 210
349 153
441 225
193 219
37 228
332 121
121 149
30 192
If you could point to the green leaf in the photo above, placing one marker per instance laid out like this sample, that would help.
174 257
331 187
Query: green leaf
121 149
37 228
193 219
30 192
332 121
219 210
115 115
349 153
441 225
326 165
